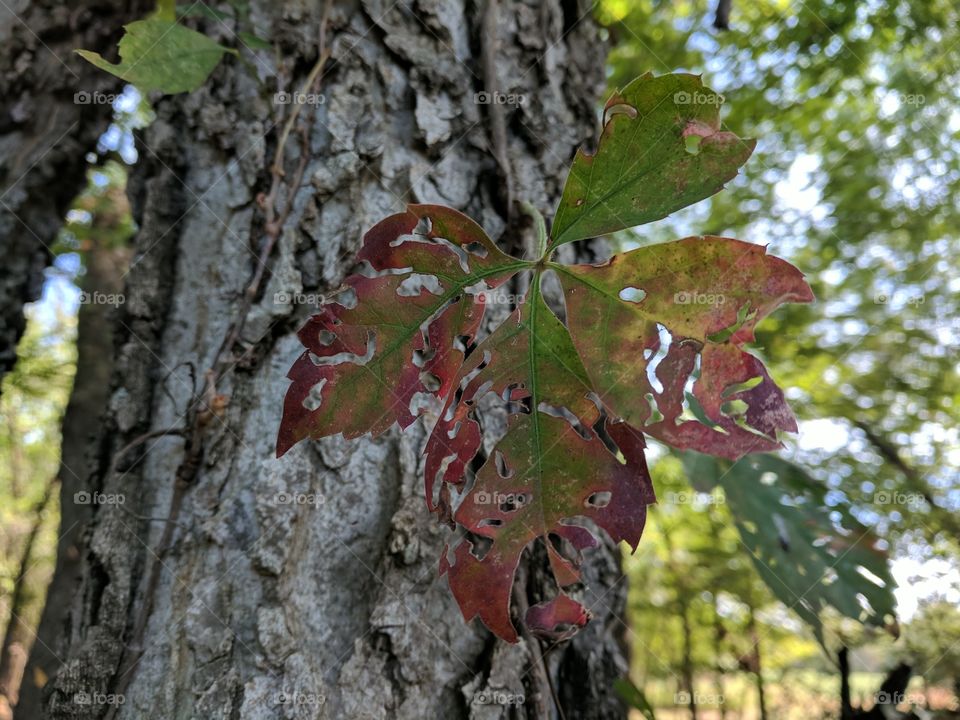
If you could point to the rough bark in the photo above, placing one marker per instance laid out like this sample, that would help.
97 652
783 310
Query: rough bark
45 135
264 609
104 268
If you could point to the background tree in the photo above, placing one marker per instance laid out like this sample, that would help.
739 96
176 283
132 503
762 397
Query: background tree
202 593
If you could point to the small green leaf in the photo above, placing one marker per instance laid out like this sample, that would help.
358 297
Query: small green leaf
157 54
661 150
254 42
634 697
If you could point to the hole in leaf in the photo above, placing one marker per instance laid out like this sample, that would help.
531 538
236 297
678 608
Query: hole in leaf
325 337
479 545
476 248
490 522
564 548
422 357
632 294
502 469
732 408
691 144
415 284
314 398
511 502
599 499
600 428
347 357
740 387
663 347
564 414
743 316
423 227
655 414
430 381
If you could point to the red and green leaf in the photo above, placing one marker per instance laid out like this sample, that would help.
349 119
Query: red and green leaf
550 472
653 342
692 305
401 333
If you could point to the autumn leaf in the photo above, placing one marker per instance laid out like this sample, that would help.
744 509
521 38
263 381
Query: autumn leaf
395 332
653 341
551 471
661 329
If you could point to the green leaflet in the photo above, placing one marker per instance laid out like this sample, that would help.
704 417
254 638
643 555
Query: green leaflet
157 54
661 150
811 554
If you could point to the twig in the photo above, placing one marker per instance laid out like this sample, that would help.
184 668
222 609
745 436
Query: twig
489 49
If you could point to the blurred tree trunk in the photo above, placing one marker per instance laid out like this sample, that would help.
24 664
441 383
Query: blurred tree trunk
45 135
757 662
103 273
18 634
243 607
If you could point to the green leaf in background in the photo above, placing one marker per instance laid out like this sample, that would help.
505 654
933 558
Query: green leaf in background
157 54
634 697
661 150
809 551
254 42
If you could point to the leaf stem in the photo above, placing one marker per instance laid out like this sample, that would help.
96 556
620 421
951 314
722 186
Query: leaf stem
541 226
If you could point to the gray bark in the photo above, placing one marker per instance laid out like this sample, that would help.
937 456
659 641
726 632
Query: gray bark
45 135
270 610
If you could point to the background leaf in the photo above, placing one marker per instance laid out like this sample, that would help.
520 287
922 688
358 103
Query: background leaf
809 550
157 54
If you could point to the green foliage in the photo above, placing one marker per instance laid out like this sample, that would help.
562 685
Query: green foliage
34 396
160 54
856 173
812 554
932 639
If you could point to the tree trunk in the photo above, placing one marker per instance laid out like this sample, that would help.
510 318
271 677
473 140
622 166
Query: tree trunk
103 273
18 633
46 130
757 664
201 595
